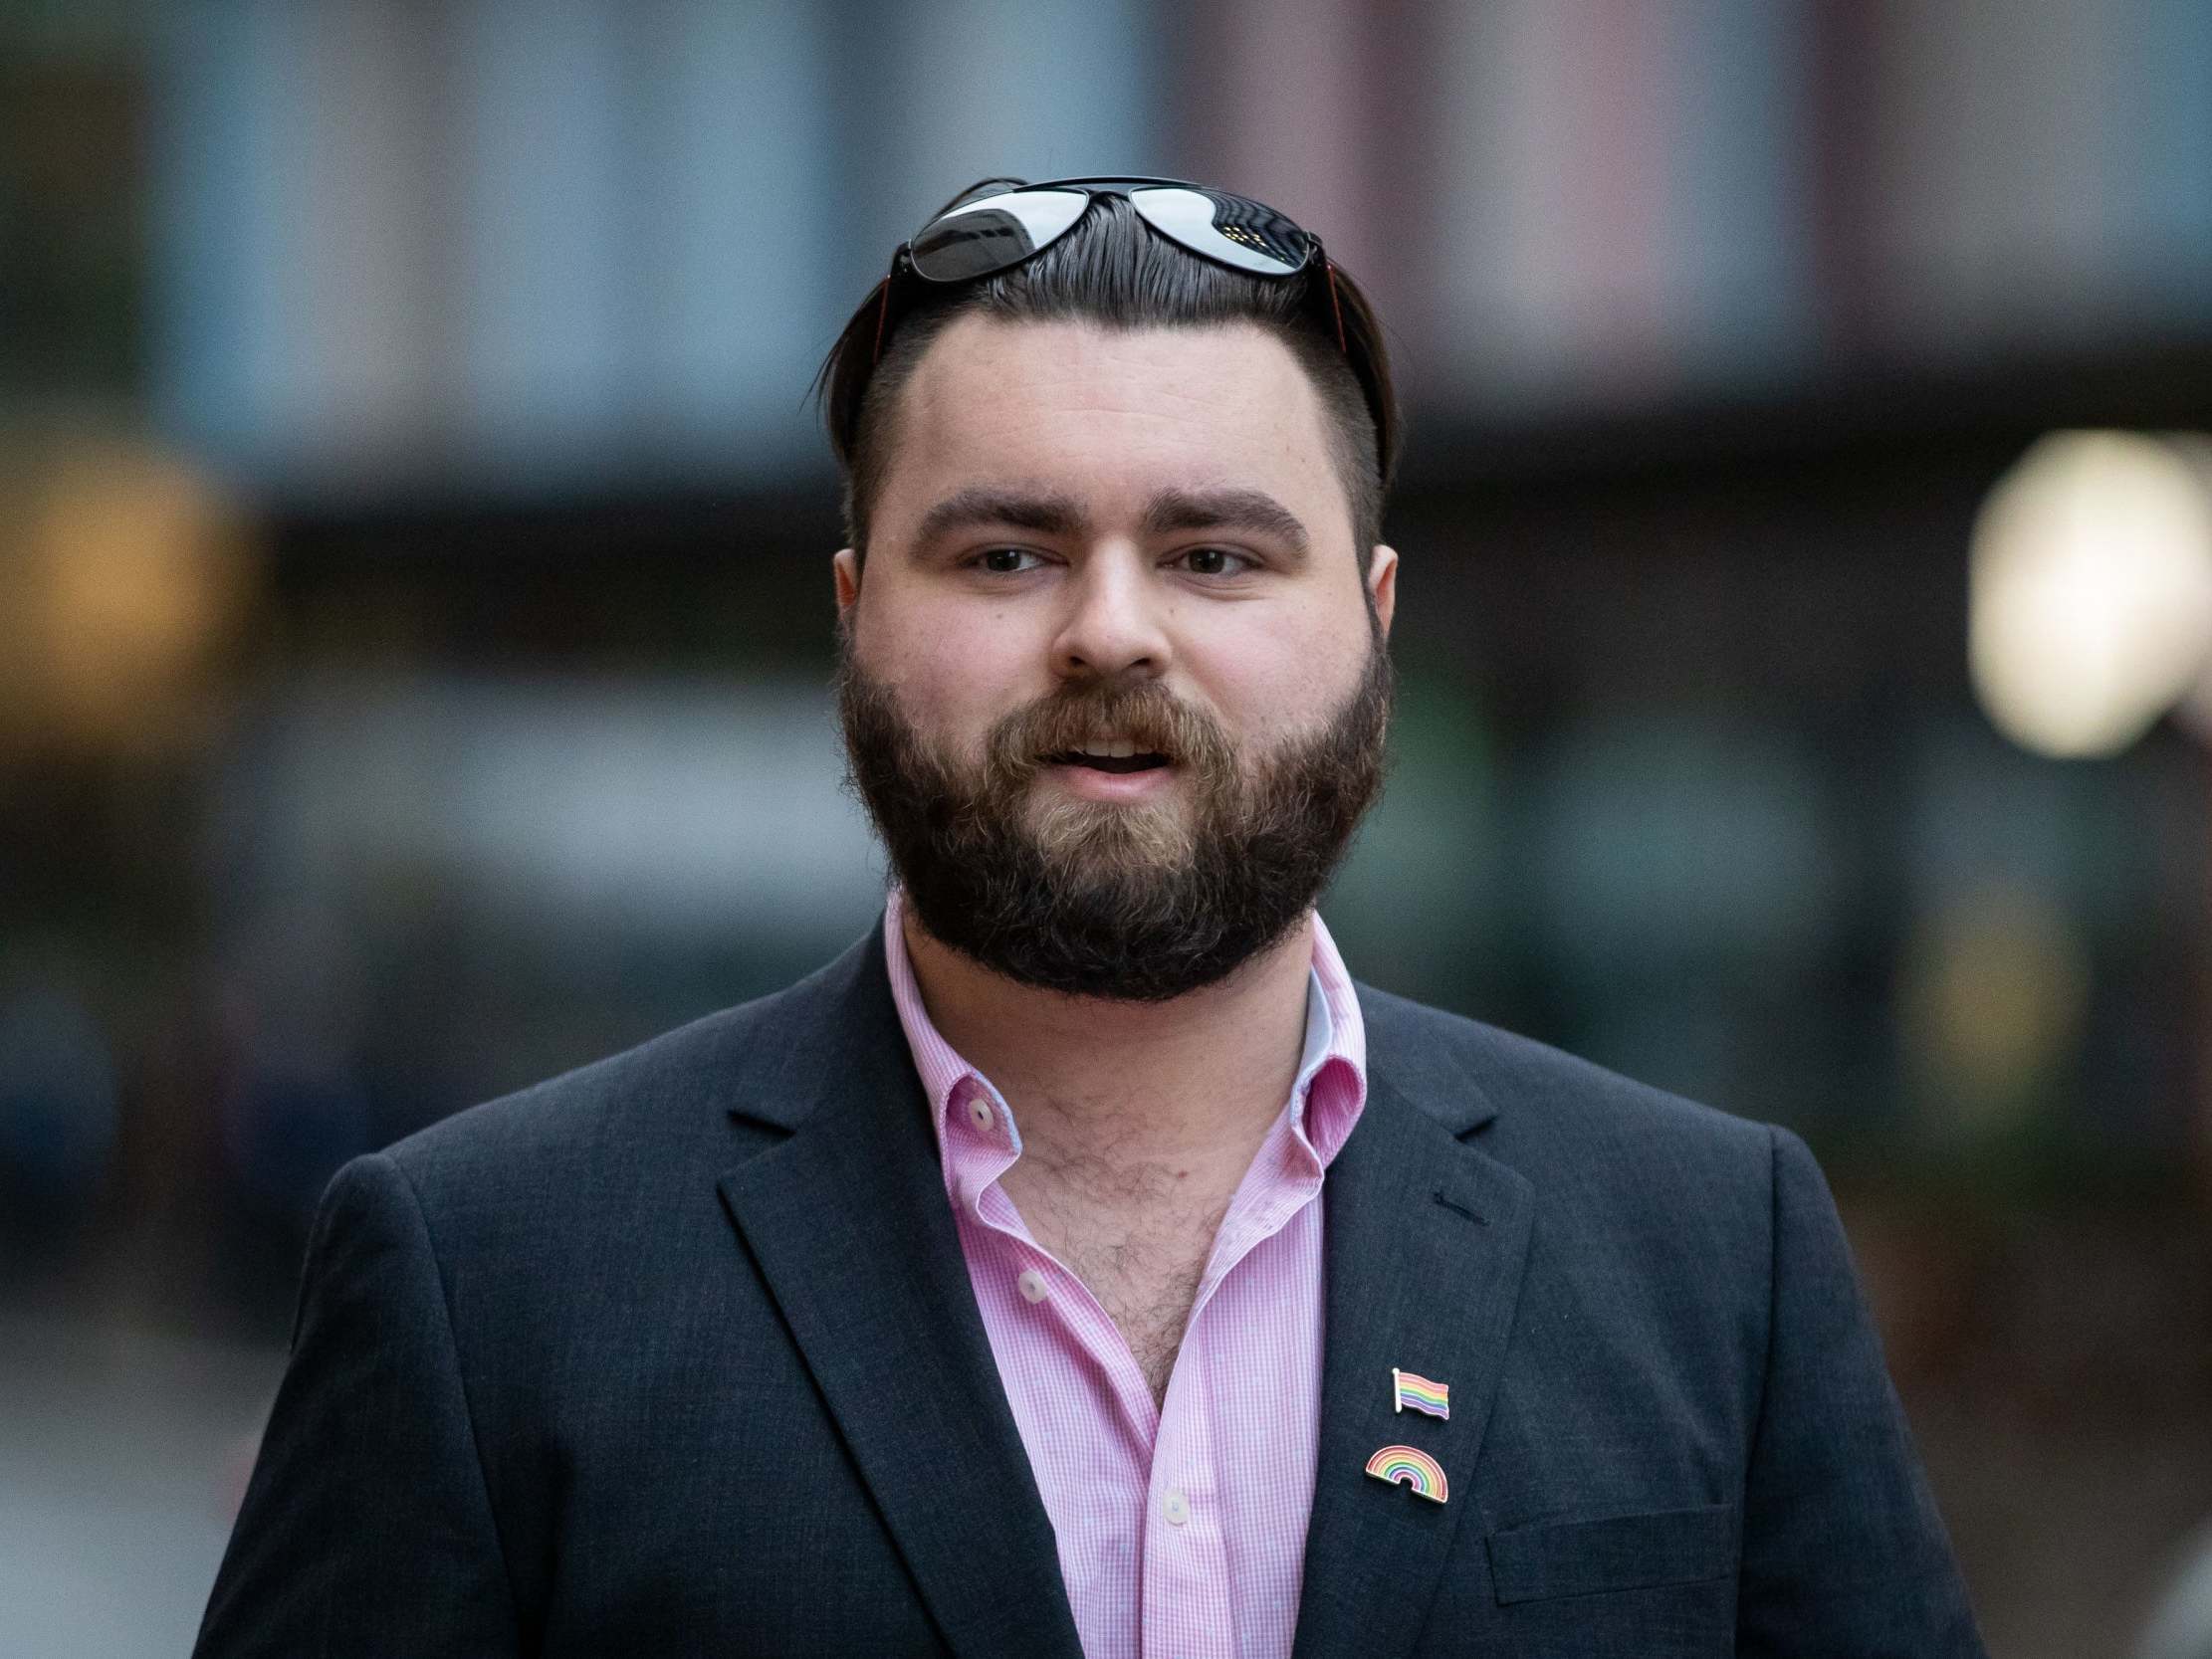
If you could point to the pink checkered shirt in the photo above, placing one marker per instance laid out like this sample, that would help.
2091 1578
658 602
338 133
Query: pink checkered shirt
1181 1530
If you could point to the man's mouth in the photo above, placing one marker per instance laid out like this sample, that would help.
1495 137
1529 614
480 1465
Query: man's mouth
1117 756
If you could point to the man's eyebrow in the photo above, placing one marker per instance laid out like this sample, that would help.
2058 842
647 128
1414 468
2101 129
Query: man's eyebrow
1232 509
1042 512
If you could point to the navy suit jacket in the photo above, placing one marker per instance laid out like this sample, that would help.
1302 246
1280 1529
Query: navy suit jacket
678 1354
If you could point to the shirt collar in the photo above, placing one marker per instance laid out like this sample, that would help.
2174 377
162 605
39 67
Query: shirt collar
1325 1100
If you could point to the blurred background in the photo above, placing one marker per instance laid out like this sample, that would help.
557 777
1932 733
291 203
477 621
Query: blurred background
415 623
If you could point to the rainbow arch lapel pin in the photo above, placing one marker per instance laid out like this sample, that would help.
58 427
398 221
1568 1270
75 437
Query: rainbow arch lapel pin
1420 1393
1410 1466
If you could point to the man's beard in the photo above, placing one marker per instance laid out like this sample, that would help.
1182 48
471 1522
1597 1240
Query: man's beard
1138 903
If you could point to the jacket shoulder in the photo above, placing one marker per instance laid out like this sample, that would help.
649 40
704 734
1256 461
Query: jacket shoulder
1543 1097
667 1097
1671 1203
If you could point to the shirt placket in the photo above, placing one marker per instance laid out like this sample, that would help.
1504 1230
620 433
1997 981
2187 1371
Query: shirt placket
1188 1602
1186 1611
1044 1283
1185 1598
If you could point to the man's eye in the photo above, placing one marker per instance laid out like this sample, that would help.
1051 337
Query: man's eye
1214 561
1007 562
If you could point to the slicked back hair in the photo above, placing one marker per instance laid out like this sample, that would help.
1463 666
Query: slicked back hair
1114 269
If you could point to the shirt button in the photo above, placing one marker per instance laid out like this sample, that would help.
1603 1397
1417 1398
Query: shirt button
1178 1507
1032 1285
978 1112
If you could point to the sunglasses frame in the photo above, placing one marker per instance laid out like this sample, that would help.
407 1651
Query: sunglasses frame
1128 187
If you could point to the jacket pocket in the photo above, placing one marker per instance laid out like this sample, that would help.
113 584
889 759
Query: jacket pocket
1616 1552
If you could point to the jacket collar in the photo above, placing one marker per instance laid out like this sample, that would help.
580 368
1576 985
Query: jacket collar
1425 1243
844 1213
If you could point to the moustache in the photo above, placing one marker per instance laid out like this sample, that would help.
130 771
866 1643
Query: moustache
1048 732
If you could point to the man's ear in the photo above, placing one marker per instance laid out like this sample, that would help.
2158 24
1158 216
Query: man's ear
846 566
1381 583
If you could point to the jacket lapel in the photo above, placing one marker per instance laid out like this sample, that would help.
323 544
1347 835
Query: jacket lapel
847 1218
1427 1239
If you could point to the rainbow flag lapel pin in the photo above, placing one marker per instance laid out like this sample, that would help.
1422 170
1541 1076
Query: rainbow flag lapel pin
1410 1466
1420 1393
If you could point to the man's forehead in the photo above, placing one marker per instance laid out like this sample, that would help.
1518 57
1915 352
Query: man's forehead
1112 415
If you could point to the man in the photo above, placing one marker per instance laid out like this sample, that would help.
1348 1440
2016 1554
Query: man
1083 1263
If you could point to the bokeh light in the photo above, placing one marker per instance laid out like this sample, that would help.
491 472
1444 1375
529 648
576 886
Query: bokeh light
127 571
2091 592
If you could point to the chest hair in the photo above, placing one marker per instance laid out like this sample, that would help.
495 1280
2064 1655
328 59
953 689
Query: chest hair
1139 1238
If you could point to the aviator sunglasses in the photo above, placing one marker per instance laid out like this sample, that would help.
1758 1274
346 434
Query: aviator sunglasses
996 232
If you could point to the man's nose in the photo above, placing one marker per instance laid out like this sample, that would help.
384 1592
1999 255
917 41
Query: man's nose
1114 624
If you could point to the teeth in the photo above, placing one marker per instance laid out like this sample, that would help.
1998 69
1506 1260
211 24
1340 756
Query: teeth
1109 749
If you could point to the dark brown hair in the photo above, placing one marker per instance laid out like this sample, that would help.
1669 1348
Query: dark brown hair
1113 268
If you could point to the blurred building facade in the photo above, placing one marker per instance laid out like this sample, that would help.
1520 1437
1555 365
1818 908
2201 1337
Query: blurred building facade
559 244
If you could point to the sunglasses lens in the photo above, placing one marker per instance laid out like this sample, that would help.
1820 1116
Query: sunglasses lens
978 238
1234 230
